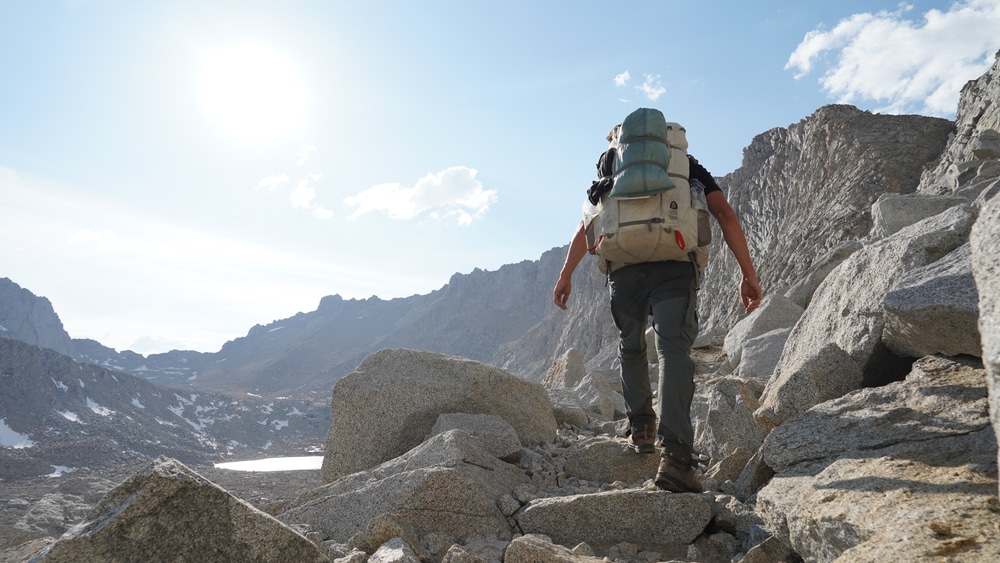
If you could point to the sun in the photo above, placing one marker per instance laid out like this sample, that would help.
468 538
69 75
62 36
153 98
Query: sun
252 93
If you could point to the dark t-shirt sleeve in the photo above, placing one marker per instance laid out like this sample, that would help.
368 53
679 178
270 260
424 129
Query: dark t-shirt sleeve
702 175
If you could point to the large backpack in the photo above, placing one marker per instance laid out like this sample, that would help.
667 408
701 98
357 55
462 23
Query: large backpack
651 213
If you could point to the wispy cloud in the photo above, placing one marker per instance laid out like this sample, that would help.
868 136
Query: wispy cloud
901 64
651 87
302 194
275 182
454 193
304 154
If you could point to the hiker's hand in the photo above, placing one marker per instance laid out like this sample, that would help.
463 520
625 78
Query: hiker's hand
560 295
750 294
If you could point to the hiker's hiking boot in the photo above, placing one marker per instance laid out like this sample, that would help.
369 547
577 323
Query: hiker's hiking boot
677 477
643 440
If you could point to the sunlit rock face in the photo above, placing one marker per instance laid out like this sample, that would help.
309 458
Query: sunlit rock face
806 190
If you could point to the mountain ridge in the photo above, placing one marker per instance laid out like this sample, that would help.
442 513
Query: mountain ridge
75 415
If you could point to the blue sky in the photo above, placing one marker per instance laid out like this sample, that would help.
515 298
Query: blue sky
173 173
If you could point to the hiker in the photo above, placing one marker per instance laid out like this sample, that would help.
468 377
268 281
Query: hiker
667 290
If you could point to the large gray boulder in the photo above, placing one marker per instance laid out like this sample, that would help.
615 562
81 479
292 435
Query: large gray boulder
725 418
897 472
396 550
985 241
533 548
802 291
606 460
892 212
985 145
836 347
497 437
935 309
449 484
566 371
566 407
599 398
775 312
941 397
762 354
54 513
169 511
644 517
390 403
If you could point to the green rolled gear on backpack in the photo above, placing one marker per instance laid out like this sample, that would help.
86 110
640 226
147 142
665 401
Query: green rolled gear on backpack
643 156
651 213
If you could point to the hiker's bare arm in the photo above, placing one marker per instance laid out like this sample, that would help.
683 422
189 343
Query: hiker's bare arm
577 250
732 232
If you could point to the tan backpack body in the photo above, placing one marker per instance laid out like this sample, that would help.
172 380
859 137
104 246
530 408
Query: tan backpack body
662 223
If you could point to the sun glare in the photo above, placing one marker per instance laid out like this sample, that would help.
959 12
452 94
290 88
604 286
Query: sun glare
252 93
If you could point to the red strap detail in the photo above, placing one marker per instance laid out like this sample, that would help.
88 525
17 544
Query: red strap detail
596 244
680 239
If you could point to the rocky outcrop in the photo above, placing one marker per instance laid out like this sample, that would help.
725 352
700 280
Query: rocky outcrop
817 179
986 268
389 404
901 472
29 318
761 354
892 212
722 413
499 438
837 345
576 397
566 371
969 159
775 312
853 468
449 484
171 511
453 484
667 519
935 309
539 549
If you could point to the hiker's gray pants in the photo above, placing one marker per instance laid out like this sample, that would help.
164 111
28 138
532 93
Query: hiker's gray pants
667 291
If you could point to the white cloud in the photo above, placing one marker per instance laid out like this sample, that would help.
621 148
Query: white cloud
304 193
301 195
450 194
274 182
304 154
651 87
321 212
900 64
